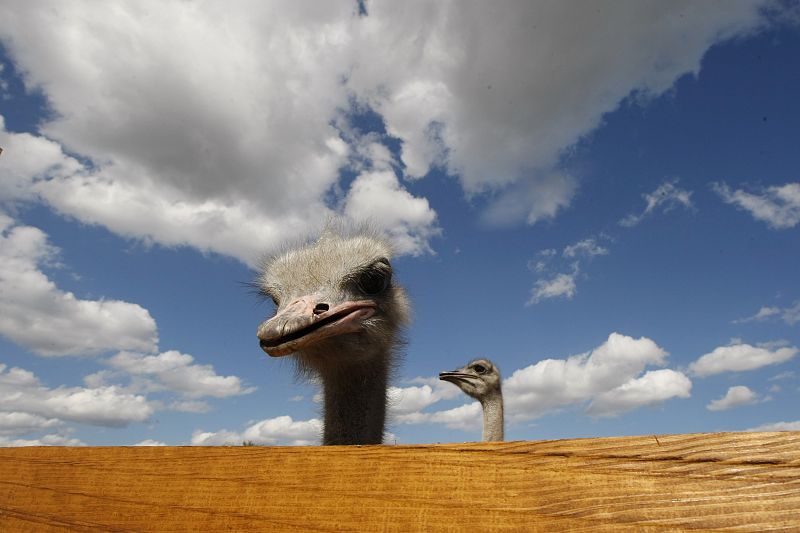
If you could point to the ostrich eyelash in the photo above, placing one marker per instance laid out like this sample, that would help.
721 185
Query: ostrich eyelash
380 266
268 293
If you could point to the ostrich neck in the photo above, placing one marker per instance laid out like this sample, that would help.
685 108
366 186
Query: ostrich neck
493 416
355 403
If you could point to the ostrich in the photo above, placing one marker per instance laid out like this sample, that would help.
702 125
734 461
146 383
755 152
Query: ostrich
480 379
341 314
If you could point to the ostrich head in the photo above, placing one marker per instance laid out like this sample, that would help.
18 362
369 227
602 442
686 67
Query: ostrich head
479 379
337 303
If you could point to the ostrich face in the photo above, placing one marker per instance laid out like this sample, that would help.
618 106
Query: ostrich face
477 379
334 299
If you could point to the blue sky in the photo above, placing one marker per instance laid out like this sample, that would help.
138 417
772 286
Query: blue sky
605 204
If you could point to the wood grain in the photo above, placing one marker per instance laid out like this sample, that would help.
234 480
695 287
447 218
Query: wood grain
736 481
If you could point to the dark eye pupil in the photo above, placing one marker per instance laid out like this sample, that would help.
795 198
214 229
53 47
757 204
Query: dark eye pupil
480 369
373 282
375 279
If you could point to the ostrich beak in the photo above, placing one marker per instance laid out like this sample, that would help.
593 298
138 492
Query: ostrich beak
303 323
455 376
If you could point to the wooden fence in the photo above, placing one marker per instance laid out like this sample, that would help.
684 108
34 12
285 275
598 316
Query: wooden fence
738 481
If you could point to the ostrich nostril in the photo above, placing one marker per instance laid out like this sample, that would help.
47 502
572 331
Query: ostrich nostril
321 308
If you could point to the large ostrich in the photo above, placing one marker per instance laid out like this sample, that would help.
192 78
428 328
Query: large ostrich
480 379
340 313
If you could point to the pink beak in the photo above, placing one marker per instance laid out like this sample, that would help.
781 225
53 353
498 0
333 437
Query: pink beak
306 321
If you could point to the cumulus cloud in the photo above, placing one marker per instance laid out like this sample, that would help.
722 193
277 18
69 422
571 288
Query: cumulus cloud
547 263
559 286
271 431
150 442
449 98
18 423
234 151
408 220
26 402
536 198
227 134
179 373
788 374
28 158
736 396
585 248
37 315
778 206
762 314
608 376
778 426
739 357
405 400
666 197
46 440
790 315
652 388
466 417
29 407
609 380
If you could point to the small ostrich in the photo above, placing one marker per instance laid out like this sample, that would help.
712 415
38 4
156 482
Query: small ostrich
480 379
341 314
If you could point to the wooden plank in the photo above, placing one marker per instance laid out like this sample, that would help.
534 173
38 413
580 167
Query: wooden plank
740 481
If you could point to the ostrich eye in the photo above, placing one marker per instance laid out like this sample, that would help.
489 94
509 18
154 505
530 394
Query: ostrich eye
480 369
375 279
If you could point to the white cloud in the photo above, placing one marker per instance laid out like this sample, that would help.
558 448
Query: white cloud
405 400
409 221
37 315
18 423
178 373
585 248
27 158
533 199
666 197
762 314
46 440
466 417
150 442
493 122
272 431
739 356
791 315
778 426
236 151
652 388
21 392
609 376
155 213
778 206
224 132
560 286
736 396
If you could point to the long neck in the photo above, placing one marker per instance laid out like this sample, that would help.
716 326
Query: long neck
493 416
355 403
